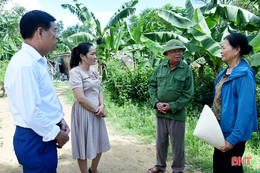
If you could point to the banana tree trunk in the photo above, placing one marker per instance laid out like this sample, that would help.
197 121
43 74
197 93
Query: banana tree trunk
216 70
201 74
99 64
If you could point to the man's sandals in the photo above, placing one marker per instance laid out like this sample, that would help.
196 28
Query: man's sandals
154 170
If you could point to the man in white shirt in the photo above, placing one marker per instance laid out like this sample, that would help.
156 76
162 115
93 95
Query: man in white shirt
32 99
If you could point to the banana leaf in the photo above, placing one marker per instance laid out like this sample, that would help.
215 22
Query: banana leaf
202 25
256 43
119 36
155 47
124 11
81 37
137 33
189 9
198 63
175 19
238 15
254 60
151 62
206 41
163 37
132 48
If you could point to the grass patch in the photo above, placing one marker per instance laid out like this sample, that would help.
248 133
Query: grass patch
139 121
60 83
200 154
132 119
69 96
197 152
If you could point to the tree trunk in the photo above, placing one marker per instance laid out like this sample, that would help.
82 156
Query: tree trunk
99 64
201 74
216 70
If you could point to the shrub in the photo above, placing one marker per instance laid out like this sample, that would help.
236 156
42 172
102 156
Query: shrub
127 85
203 91
3 66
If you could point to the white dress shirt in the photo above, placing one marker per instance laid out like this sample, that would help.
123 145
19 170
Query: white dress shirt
31 95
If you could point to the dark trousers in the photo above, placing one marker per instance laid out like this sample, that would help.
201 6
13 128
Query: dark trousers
32 153
176 130
222 161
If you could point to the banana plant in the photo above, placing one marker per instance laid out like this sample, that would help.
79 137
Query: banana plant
151 53
111 34
87 18
81 37
110 38
254 60
205 28
9 32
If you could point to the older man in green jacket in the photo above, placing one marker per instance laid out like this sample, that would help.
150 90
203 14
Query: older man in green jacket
171 88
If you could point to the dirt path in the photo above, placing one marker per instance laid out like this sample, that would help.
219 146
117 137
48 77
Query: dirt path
126 153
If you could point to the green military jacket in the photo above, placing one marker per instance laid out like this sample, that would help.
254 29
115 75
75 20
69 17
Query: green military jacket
172 86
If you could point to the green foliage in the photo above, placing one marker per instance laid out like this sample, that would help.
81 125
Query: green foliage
110 38
124 11
149 20
253 150
3 3
131 119
60 83
11 39
204 28
197 152
203 91
70 96
81 37
3 66
65 41
258 97
249 5
127 85
60 27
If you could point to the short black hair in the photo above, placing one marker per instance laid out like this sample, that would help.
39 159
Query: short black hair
32 20
239 40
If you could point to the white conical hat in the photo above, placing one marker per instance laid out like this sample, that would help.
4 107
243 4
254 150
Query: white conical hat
208 129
